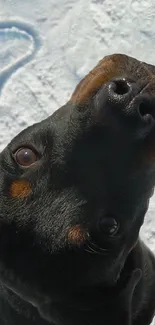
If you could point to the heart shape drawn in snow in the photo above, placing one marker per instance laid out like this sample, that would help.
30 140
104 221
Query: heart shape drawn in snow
19 42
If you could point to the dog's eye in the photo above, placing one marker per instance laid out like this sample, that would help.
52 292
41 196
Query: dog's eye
25 156
109 226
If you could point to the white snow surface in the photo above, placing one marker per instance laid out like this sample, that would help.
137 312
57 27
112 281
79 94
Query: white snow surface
46 47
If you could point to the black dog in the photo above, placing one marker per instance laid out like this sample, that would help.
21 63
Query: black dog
74 190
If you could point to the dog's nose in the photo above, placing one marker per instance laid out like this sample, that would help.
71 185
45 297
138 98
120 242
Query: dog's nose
124 98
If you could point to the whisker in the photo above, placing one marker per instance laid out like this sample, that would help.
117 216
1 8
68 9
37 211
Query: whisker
92 249
89 251
95 249
98 247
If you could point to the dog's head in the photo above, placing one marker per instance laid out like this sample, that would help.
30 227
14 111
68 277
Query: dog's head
75 187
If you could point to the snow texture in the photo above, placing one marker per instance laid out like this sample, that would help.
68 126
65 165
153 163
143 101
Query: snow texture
46 47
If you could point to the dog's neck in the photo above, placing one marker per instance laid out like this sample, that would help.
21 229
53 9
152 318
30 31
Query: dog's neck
87 302
92 303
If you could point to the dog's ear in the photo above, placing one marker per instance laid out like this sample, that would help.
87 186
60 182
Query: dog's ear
116 65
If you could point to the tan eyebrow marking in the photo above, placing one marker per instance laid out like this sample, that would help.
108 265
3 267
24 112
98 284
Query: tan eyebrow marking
20 189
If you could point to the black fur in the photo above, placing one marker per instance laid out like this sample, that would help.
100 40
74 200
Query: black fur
93 163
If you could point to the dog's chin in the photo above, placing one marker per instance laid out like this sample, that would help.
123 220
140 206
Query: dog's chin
114 260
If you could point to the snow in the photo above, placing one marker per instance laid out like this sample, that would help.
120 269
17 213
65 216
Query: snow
46 47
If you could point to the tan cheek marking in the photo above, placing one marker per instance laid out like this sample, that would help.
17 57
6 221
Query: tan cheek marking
20 189
77 235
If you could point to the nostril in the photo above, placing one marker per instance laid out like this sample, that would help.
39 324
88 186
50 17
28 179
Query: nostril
121 87
145 109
